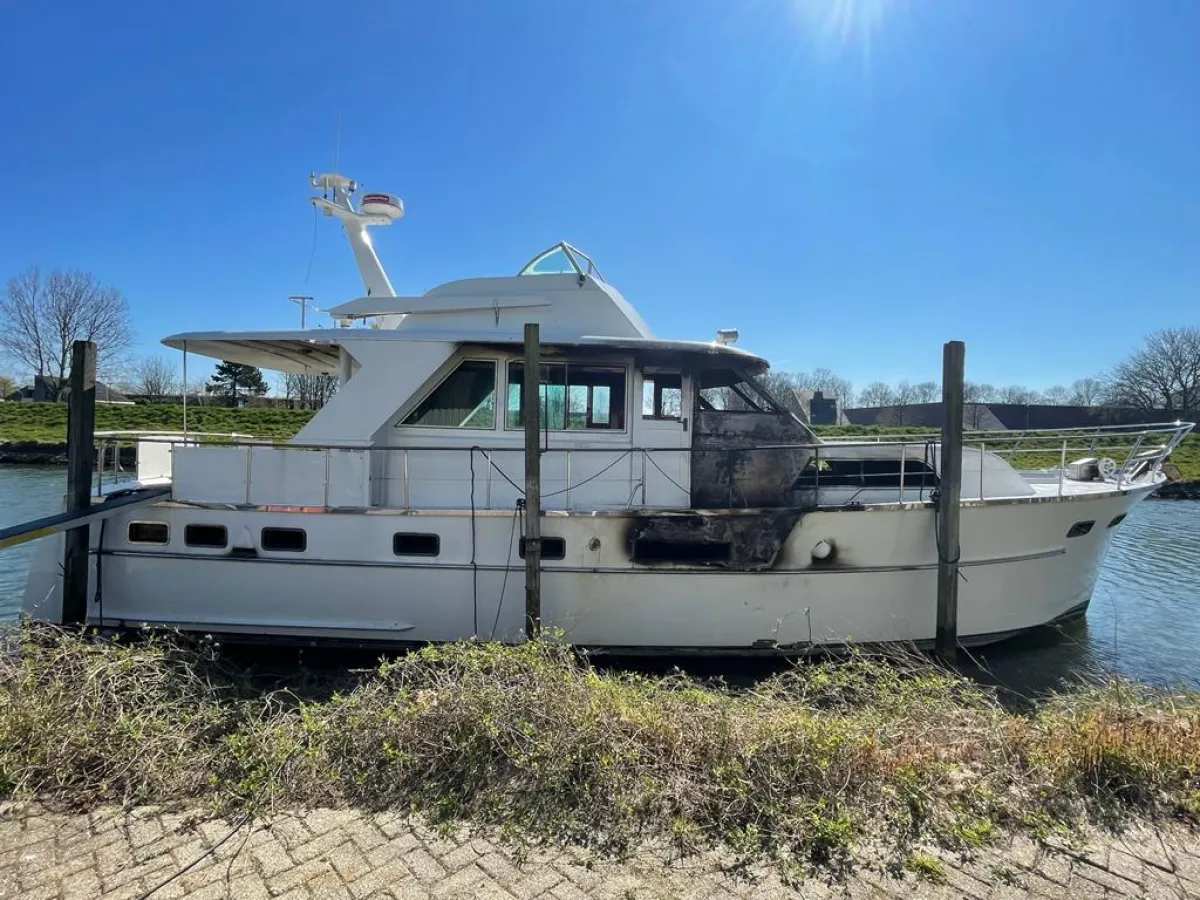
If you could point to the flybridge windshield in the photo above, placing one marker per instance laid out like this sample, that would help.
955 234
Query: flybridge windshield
561 259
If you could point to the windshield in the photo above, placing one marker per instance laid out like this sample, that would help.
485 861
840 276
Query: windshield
561 259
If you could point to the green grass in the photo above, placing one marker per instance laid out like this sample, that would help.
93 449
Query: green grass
47 422
810 770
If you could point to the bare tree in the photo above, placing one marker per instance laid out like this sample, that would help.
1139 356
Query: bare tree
1164 374
154 377
903 397
40 318
1019 395
313 391
1056 395
1087 392
974 392
877 394
828 383
201 390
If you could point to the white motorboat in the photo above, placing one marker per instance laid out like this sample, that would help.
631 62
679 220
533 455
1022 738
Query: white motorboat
685 509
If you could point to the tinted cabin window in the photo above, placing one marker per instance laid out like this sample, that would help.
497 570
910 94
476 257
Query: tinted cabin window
148 533
466 399
292 540
406 543
205 536
552 548
662 396
573 397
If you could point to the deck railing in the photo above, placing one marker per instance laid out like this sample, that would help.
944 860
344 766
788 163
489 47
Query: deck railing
903 469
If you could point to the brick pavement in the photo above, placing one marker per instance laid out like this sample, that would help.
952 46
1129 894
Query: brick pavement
345 854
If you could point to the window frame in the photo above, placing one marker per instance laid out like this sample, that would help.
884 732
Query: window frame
399 535
615 367
262 538
493 361
188 527
654 378
157 523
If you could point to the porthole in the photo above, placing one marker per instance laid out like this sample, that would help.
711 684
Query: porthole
408 543
552 548
289 540
197 535
148 533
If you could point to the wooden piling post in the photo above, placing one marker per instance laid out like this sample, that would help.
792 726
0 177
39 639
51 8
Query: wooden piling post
949 498
531 404
81 452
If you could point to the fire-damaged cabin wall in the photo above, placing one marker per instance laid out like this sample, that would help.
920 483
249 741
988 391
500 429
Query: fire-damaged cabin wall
728 471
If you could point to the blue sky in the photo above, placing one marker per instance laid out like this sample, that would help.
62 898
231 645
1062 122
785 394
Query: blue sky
848 183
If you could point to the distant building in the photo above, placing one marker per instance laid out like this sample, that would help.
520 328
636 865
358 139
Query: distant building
814 408
45 390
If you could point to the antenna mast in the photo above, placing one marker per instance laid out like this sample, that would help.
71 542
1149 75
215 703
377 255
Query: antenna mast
375 209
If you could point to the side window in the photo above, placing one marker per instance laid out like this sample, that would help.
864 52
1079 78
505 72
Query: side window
662 395
573 397
466 399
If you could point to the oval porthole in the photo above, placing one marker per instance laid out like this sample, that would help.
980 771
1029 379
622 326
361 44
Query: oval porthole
1117 520
1079 529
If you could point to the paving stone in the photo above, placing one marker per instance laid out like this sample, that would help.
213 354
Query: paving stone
349 861
459 857
422 864
297 875
382 879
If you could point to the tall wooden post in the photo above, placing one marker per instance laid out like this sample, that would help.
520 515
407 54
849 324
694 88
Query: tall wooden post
949 499
531 404
81 451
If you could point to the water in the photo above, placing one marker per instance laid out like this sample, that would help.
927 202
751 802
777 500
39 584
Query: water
1144 620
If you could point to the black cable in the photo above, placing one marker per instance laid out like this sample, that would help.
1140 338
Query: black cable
571 487
99 596
666 476
474 565
507 565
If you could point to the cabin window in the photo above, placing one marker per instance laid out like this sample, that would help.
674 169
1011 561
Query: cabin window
465 399
148 533
291 540
662 395
552 548
730 392
865 473
408 543
573 397
1117 520
205 536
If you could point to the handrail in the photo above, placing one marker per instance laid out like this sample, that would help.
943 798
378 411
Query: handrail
1045 454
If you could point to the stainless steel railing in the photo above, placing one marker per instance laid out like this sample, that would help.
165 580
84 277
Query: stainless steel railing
901 468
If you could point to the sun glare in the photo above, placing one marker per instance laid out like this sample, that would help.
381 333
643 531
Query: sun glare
842 24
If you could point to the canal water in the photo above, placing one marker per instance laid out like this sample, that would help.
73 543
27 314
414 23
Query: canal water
1144 620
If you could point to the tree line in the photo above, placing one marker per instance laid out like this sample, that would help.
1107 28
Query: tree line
1162 374
43 313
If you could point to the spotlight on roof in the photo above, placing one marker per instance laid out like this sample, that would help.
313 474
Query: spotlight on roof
727 336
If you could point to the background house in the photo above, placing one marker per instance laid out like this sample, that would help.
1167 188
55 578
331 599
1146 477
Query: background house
45 390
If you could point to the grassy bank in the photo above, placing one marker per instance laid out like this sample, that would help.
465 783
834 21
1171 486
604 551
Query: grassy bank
47 423
811 769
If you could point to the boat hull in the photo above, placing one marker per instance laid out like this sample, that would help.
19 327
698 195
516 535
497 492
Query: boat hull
1019 570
